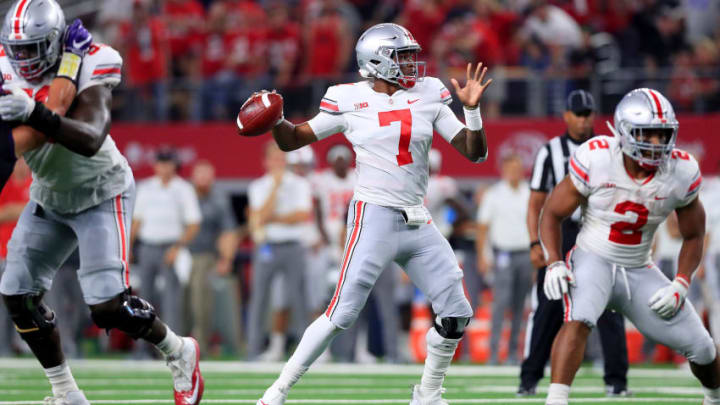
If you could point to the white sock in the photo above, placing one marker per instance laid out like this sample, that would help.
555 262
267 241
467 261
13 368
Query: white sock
558 394
61 380
712 396
315 340
440 352
170 344
277 342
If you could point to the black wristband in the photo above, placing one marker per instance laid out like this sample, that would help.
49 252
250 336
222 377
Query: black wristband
44 120
533 243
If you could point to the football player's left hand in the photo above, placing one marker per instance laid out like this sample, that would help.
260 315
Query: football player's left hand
667 301
474 87
16 105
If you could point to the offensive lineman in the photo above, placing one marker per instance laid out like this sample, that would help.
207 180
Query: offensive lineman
627 185
390 119
82 196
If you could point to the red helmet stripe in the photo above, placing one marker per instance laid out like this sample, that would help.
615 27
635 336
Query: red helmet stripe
18 18
657 104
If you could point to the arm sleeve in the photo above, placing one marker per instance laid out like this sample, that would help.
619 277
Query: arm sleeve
446 123
191 206
579 169
693 189
325 124
101 65
542 174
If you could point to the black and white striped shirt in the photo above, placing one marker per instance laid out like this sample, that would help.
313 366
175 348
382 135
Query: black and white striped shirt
551 163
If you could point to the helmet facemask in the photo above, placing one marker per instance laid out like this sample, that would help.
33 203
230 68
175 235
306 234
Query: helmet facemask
403 67
637 143
32 58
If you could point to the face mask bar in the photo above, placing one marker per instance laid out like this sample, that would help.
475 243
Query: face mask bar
27 57
648 153
396 74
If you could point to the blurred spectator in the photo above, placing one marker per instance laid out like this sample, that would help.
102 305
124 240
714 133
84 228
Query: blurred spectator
501 221
144 44
284 41
653 36
552 26
166 219
701 18
13 199
213 285
327 49
424 18
280 202
684 85
185 20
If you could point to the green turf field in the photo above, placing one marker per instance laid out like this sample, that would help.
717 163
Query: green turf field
134 382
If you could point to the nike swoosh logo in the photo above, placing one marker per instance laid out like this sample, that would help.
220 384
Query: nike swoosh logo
194 396
77 44
412 101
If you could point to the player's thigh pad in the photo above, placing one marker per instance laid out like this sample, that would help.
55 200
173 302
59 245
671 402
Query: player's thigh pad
371 245
39 245
684 332
593 288
432 266
103 235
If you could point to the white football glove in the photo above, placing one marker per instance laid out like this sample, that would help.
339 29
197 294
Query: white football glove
17 105
667 301
558 278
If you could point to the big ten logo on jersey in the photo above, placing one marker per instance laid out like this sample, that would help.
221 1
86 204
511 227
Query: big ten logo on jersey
360 106
599 144
339 201
40 94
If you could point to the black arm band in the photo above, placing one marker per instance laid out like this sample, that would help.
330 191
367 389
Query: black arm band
44 120
533 243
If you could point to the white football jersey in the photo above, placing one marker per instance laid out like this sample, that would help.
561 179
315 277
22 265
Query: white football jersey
622 213
63 180
391 136
334 194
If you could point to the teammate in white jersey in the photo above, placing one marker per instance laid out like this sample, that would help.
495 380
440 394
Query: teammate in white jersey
82 196
627 185
390 119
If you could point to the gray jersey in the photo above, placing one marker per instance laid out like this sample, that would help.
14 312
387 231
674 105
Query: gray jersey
63 180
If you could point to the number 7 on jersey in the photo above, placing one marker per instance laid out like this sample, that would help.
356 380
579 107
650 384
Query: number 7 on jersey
405 117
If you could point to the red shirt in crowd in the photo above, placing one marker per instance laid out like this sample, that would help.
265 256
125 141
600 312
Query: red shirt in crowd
325 46
184 25
14 192
284 45
424 22
145 51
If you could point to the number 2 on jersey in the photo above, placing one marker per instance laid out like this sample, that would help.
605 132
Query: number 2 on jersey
618 229
405 117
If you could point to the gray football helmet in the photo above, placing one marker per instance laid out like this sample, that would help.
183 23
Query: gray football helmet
32 36
378 56
639 112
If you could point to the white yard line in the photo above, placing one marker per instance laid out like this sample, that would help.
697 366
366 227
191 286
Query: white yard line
124 366
392 401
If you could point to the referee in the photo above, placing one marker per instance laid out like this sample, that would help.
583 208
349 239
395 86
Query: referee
551 166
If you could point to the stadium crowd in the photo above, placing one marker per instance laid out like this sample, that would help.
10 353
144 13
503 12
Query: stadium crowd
199 60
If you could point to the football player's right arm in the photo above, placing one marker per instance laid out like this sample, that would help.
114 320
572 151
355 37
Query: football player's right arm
290 136
563 201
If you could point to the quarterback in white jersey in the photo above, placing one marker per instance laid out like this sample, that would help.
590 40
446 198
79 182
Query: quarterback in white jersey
627 185
82 196
390 119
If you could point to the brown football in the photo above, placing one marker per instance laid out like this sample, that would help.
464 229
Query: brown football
259 113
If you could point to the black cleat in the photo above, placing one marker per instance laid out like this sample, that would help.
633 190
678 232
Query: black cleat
526 391
613 391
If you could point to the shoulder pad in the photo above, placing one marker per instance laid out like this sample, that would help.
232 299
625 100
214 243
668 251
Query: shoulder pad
436 89
686 171
339 98
101 65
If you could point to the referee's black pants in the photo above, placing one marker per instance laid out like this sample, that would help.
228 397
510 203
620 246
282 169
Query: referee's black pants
547 320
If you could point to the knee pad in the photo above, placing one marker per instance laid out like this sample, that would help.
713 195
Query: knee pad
703 353
32 318
128 313
451 328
